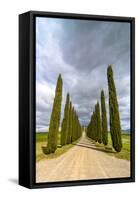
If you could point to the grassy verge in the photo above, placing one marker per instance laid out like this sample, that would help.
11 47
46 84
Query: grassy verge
125 152
41 140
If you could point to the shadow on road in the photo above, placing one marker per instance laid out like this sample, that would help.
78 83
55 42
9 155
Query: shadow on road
92 146
85 142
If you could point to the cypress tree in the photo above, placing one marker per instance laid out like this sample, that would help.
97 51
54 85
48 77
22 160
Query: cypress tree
70 124
55 118
98 119
93 130
65 122
104 120
74 126
90 128
115 126
94 126
95 123
79 129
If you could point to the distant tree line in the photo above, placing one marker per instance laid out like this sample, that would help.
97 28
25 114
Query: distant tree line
70 128
97 128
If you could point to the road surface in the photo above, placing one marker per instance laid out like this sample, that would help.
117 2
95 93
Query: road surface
81 162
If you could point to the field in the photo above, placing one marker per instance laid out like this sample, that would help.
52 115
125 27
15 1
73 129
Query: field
125 152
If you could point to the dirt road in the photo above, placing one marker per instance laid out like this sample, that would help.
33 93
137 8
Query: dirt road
83 161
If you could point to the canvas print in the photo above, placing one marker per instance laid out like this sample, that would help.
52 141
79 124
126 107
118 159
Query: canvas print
83 129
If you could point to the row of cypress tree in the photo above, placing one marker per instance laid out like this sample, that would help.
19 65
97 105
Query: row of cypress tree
70 128
98 127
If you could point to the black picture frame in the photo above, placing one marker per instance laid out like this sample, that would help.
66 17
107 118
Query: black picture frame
27 98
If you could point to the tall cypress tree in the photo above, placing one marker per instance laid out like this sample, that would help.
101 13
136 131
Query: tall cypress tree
79 129
65 122
75 126
98 118
55 118
104 120
70 124
89 128
93 129
95 123
115 126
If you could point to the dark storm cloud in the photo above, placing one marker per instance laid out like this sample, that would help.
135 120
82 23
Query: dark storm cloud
86 45
81 51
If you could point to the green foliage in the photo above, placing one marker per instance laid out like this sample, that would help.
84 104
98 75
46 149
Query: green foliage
92 126
70 125
104 120
76 127
65 122
72 118
41 136
71 128
46 150
98 123
115 126
73 124
55 118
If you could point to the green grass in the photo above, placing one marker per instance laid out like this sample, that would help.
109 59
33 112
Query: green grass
41 137
41 140
125 152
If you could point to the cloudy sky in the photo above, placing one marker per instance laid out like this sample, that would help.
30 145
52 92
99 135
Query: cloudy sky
81 51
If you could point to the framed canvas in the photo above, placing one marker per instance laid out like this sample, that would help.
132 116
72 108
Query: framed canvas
76 99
